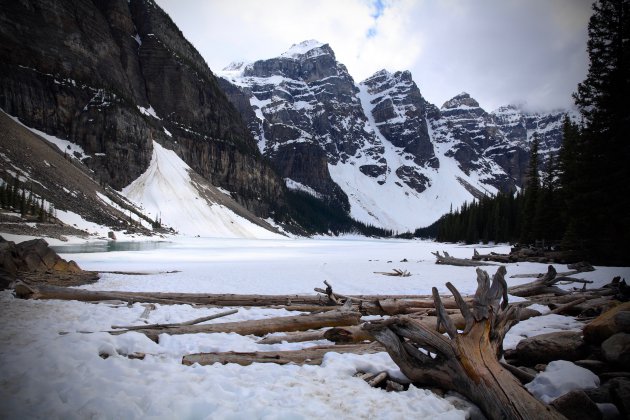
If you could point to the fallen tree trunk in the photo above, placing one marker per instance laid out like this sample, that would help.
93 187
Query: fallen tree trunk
466 362
544 285
346 335
179 324
367 304
307 356
25 291
446 259
293 337
261 327
493 256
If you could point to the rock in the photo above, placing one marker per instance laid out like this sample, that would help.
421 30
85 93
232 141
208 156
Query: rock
544 348
620 395
36 261
616 349
607 324
111 235
6 279
596 366
576 405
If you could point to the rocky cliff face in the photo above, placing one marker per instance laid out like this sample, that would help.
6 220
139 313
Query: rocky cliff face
111 76
400 114
400 161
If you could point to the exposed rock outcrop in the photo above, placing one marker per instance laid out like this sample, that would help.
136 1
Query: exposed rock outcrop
35 261
113 76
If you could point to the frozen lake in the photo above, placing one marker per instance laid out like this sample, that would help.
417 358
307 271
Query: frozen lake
49 375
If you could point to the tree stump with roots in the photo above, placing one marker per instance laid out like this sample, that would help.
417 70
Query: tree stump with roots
468 361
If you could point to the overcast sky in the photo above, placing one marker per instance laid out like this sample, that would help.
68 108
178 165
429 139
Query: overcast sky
531 52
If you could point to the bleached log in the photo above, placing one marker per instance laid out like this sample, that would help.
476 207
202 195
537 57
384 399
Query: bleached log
293 337
307 356
540 286
264 326
25 291
446 259
147 310
563 308
394 273
175 325
367 304
493 256
374 382
466 362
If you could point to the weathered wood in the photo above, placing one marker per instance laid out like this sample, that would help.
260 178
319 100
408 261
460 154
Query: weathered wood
374 382
493 256
264 326
446 259
466 362
147 310
307 356
179 324
540 286
394 273
563 308
63 293
349 334
293 337
366 304
406 306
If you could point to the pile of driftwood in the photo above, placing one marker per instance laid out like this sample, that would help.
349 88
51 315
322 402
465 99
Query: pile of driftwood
516 255
465 360
526 254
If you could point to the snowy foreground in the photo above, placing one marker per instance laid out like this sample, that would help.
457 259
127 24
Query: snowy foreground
49 375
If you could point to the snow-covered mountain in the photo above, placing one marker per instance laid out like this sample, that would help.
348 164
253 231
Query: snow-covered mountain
378 147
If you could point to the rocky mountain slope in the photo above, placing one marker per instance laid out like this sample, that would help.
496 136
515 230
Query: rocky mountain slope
378 146
116 81
112 77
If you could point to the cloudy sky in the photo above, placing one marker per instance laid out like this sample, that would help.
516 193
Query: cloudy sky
531 52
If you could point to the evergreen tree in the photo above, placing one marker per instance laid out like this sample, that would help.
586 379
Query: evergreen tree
571 183
547 208
530 228
604 150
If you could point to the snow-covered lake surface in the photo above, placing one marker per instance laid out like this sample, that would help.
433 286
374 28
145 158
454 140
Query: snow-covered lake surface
48 375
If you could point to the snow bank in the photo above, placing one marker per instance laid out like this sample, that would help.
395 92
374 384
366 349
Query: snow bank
165 191
559 378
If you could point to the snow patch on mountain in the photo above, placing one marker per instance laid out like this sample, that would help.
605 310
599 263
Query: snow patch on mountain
166 191
302 48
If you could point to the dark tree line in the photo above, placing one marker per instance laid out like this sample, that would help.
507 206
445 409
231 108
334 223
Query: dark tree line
16 197
582 199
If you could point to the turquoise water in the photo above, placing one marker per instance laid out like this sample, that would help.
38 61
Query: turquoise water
110 246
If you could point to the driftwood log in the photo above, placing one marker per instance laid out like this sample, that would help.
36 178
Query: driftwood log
545 285
493 256
260 327
466 362
365 304
446 259
293 337
307 356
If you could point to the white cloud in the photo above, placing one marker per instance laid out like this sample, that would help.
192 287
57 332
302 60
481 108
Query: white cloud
500 51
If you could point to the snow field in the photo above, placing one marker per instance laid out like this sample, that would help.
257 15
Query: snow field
49 375
165 191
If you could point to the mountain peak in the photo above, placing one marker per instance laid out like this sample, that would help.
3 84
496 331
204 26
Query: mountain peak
307 48
235 66
463 99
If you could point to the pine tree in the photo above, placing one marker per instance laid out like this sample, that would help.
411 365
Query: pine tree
530 228
605 149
